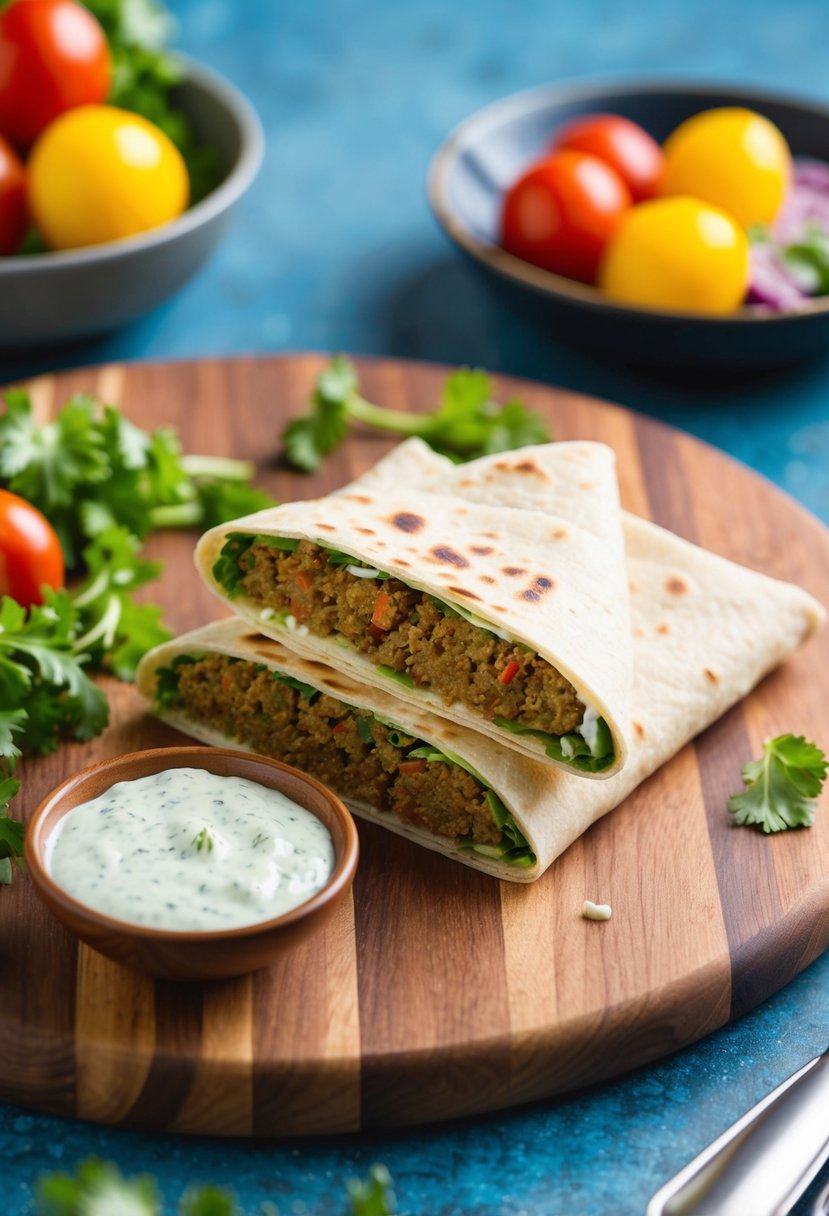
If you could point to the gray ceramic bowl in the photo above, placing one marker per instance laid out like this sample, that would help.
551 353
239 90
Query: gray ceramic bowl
485 154
53 297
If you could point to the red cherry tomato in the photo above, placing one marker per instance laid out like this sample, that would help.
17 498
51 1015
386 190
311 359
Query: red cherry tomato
53 56
14 213
620 143
562 212
30 552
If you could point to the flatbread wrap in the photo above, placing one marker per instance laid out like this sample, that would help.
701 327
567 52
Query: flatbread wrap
704 632
513 623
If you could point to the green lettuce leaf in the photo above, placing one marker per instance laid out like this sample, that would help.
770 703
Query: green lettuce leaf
571 749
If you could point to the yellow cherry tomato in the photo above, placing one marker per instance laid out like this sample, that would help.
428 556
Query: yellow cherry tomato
677 253
733 158
98 174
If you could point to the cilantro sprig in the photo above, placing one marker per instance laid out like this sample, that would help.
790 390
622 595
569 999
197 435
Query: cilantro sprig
467 422
90 470
782 787
99 1187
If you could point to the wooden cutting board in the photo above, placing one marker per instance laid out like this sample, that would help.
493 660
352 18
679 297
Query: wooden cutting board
439 992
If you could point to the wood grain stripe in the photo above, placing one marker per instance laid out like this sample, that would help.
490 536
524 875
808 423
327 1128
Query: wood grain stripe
433 929
668 492
220 1099
109 386
178 1020
572 957
306 1036
794 702
42 395
745 860
673 506
745 870
114 1036
546 969
37 1069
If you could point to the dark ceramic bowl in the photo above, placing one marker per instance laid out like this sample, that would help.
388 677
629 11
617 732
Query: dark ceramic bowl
55 297
191 955
485 154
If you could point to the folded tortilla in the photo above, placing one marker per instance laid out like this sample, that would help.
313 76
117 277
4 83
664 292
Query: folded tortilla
704 629
541 660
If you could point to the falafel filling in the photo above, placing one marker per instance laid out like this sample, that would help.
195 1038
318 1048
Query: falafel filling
416 639
361 756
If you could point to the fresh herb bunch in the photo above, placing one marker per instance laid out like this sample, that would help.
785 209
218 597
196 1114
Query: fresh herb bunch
145 75
466 424
91 470
782 787
103 484
45 651
99 1187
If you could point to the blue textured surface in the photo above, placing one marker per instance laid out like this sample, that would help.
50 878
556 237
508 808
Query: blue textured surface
335 249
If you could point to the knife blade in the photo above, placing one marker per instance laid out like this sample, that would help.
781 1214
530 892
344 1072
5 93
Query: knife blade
764 1162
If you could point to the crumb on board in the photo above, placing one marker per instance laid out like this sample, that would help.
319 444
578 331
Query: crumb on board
591 911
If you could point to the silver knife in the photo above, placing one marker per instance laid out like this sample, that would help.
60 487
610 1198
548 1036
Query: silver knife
765 1161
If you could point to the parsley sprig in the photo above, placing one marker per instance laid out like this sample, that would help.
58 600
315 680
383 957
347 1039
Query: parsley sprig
91 469
99 1187
467 422
782 787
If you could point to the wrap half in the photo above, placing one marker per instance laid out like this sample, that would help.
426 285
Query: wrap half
424 777
513 623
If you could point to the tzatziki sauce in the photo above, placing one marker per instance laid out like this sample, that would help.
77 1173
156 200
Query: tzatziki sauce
186 849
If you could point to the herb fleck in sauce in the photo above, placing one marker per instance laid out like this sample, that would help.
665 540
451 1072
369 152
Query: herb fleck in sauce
187 849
